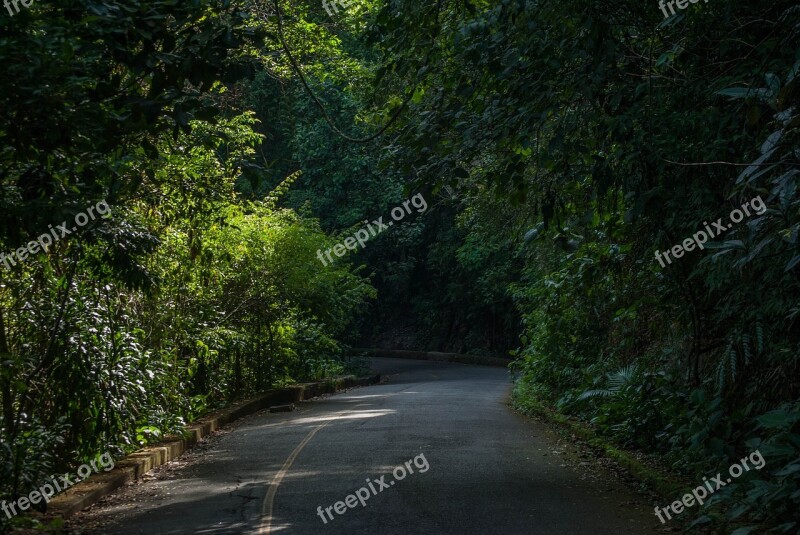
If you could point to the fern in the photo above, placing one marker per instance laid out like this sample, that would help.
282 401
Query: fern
616 382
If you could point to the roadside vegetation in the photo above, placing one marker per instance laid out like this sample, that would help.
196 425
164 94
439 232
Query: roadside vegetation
559 145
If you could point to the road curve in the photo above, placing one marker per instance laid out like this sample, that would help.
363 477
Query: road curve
469 466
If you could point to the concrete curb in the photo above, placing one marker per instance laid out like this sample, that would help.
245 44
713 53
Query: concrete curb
135 465
435 356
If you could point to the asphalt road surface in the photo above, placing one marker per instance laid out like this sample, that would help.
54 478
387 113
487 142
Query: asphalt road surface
469 465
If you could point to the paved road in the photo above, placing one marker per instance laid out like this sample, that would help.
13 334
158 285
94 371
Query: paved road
478 468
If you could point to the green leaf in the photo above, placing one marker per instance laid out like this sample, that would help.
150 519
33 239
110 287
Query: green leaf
735 92
777 419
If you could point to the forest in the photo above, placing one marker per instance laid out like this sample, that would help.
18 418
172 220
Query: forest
611 202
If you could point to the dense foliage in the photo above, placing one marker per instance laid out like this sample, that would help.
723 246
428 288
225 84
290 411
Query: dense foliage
560 145
189 292
608 133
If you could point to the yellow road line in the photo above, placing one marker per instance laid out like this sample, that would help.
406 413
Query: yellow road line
269 499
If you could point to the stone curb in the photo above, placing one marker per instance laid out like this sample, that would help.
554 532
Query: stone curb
135 465
435 356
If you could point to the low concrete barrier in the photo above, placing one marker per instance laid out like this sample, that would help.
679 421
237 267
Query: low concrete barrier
135 465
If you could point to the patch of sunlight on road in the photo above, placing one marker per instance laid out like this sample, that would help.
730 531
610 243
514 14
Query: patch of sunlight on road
352 415
348 416
227 529
367 396
280 527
